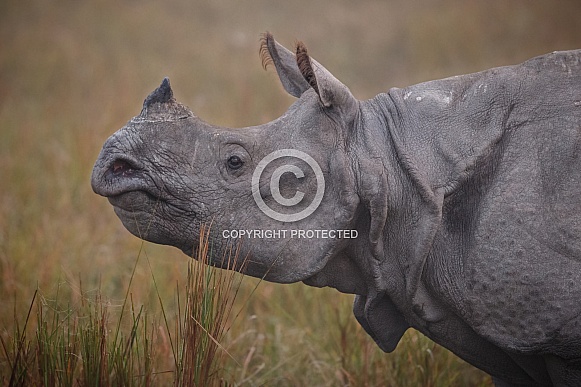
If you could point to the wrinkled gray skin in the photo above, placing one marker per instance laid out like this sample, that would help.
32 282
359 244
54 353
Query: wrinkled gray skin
466 193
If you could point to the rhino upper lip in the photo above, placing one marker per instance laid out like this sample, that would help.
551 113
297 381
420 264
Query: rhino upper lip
123 175
130 186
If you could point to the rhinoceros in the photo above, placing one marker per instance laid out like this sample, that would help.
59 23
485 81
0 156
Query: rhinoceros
452 207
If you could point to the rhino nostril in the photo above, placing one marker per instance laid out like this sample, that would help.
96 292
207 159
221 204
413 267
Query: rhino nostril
122 167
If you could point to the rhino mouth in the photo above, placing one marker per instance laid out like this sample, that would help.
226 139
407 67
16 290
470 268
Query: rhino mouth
134 201
136 193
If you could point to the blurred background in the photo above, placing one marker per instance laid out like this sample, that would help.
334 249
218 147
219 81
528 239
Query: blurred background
73 72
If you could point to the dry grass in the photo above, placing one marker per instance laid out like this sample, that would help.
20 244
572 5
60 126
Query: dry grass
83 344
71 73
210 296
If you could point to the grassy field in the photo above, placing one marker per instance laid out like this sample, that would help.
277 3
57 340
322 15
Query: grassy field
73 280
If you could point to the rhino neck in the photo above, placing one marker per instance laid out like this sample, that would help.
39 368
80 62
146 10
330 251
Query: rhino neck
440 132
430 138
351 269
379 186
402 215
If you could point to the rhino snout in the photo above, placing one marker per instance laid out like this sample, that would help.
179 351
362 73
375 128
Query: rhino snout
117 174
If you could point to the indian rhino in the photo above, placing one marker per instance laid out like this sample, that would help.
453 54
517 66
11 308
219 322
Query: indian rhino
459 201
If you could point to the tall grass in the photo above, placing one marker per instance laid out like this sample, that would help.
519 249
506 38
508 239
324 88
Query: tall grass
92 342
210 295
76 345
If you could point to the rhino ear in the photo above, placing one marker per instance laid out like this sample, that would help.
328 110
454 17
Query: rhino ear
285 63
331 91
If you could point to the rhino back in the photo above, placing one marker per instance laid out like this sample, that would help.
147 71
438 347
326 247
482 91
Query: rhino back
503 147
524 275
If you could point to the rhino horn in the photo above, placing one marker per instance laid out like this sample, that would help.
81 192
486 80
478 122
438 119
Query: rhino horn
161 105
163 94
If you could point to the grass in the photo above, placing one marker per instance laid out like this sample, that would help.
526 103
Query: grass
94 343
84 345
210 295
71 287
90 345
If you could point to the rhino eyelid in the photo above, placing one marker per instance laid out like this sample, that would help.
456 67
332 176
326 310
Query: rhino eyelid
235 162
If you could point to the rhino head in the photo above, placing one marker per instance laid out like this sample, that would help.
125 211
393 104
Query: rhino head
283 192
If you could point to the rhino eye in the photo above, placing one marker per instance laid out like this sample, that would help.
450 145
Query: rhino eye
235 162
